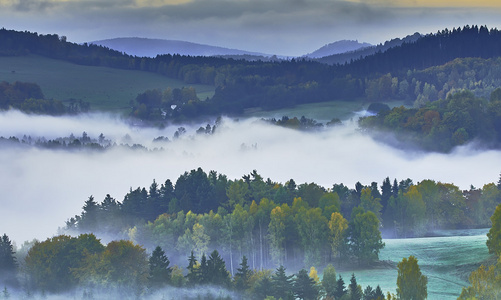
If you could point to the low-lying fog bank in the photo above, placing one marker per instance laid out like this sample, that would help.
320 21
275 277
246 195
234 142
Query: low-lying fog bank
42 188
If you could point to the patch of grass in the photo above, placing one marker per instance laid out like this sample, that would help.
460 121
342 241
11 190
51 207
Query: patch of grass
104 88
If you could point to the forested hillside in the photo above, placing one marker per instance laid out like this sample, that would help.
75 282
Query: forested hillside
242 84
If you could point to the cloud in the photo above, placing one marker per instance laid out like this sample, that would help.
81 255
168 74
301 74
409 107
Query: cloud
41 189
278 27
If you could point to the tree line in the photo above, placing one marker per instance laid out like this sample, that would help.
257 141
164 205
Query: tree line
28 97
444 124
64 264
294 225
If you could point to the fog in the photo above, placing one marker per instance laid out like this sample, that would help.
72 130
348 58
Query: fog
41 188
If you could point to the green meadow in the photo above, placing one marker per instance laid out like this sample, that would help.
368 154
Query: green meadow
106 89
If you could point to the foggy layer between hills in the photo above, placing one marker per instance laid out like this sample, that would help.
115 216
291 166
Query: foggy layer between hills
42 188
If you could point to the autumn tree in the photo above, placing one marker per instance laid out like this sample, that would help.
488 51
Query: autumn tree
494 234
484 284
411 283
57 264
337 227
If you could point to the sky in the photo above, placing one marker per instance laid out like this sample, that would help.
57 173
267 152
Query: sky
282 27
42 188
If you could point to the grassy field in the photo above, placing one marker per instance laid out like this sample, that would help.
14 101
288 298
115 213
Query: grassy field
106 89
447 261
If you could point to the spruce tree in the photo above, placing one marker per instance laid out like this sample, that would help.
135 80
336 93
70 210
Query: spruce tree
8 263
263 288
217 270
355 292
242 276
282 284
304 286
378 293
160 272
203 272
340 288
192 276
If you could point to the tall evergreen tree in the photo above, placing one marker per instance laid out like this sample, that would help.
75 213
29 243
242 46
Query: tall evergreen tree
242 276
304 286
394 188
203 271
8 263
340 288
355 291
378 293
386 193
282 284
192 276
160 272
263 288
217 270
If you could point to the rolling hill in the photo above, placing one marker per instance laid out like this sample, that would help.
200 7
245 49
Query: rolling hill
144 47
337 48
105 88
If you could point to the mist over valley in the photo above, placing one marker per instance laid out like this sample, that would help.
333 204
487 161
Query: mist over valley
54 183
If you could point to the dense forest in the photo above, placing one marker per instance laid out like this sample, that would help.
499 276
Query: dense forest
443 124
273 223
165 236
83 268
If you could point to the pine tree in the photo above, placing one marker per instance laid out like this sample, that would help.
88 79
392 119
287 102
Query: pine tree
378 293
340 288
304 286
386 193
282 284
217 270
355 291
369 293
263 288
192 276
394 188
203 271
8 263
242 276
160 272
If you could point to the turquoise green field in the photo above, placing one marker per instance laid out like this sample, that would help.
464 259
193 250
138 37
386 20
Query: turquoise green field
447 262
105 89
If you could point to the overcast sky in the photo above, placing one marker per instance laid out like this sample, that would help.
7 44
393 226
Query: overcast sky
284 27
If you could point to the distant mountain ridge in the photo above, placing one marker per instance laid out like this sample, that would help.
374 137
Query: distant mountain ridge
145 47
338 47
346 57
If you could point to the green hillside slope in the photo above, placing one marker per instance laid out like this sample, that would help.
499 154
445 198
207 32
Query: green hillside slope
104 88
